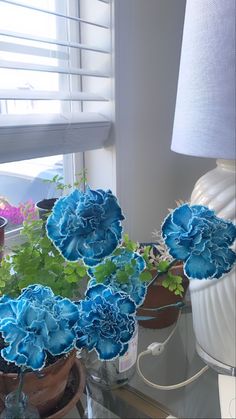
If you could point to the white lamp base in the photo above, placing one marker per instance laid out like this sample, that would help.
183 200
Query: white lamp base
214 301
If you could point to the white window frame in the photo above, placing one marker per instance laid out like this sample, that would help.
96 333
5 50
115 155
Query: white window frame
27 136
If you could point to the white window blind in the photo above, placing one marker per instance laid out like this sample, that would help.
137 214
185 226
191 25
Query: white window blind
55 77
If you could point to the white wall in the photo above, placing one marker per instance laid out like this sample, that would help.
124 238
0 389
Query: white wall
150 177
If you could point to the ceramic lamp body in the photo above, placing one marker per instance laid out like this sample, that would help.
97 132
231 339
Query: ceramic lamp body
213 301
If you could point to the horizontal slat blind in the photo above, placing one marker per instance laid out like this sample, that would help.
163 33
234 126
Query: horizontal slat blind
54 13
52 62
23 94
70 44
51 69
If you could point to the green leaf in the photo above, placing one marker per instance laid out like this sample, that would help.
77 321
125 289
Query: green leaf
129 244
163 266
145 276
165 283
122 277
72 278
129 269
172 287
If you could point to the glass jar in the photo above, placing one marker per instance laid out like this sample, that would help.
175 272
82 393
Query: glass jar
18 408
114 373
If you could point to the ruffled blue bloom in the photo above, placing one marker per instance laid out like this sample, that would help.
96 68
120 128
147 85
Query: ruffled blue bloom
195 235
36 322
86 225
134 287
107 322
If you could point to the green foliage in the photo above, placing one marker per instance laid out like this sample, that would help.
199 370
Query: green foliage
173 283
145 276
123 274
129 244
104 270
154 262
57 180
163 266
38 261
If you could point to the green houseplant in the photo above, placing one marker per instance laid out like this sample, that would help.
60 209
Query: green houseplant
167 284
45 205
38 258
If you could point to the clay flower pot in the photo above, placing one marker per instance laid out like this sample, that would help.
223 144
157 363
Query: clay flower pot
45 389
45 206
73 392
158 296
3 223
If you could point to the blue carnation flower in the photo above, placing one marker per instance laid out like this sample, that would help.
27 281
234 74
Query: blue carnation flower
36 322
132 264
86 225
195 235
107 322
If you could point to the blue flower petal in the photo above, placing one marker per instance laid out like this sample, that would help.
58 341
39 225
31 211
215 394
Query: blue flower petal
108 349
38 323
10 354
182 217
176 250
195 235
8 308
126 306
61 341
35 356
36 293
94 291
86 225
196 267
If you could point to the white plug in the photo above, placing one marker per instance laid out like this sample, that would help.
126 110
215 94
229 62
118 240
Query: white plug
156 348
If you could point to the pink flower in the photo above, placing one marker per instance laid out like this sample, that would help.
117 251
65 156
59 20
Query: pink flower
16 215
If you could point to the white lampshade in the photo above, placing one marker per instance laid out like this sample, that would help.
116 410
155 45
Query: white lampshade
204 122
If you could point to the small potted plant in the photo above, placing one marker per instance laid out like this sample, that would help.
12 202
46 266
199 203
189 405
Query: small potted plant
165 283
45 205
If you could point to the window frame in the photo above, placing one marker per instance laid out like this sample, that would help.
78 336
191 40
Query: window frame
32 136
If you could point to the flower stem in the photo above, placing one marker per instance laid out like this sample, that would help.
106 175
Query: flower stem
157 276
20 386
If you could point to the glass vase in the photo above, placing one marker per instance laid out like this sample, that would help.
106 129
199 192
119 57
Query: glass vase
17 407
114 373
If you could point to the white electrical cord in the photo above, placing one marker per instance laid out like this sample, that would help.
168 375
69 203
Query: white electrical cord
157 348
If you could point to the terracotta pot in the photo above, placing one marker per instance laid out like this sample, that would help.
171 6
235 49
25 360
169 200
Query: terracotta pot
45 389
77 375
45 206
158 296
3 223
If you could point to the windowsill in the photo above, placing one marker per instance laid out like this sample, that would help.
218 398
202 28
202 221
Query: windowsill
12 238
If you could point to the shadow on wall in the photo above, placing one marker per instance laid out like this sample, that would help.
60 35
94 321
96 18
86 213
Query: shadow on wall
186 170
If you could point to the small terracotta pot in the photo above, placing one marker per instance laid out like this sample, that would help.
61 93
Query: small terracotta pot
45 206
78 375
45 389
158 296
3 223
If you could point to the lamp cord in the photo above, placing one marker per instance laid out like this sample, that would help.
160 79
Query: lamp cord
156 349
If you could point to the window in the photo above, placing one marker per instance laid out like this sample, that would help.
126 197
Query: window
55 77
55 90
